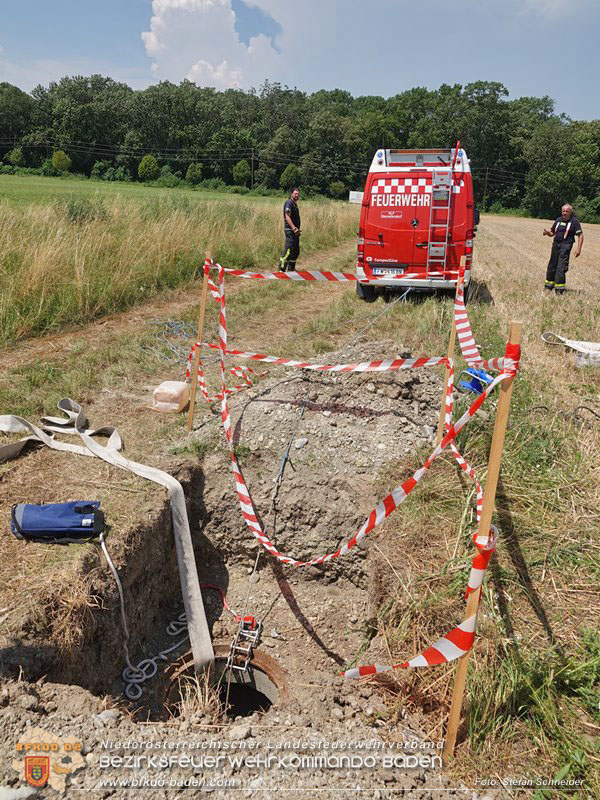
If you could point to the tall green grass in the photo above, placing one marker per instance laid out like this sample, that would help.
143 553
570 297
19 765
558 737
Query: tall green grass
79 257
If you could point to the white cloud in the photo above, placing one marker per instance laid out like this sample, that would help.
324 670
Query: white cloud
221 77
197 39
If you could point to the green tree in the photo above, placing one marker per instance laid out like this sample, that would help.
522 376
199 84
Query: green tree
15 157
100 168
290 177
241 173
148 169
564 163
337 190
61 161
279 107
16 115
194 173
226 145
274 155
93 111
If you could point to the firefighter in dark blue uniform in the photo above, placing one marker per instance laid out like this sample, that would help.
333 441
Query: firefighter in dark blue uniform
565 230
291 228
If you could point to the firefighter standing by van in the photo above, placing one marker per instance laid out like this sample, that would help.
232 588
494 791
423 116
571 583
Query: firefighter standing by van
291 229
564 230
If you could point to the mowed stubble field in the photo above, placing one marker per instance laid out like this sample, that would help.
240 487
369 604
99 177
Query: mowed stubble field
534 675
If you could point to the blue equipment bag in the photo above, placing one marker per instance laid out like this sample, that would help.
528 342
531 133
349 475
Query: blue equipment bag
57 523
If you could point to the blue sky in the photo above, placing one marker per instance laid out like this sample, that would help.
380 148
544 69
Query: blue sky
534 47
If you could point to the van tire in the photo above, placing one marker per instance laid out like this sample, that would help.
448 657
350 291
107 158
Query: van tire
466 292
365 292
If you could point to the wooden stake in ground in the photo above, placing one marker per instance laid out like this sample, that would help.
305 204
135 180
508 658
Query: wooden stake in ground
459 283
489 500
196 363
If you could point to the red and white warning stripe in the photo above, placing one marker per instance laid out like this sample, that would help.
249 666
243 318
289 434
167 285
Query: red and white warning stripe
464 333
383 510
239 372
453 645
485 547
509 362
463 464
363 366
307 275
460 639
403 185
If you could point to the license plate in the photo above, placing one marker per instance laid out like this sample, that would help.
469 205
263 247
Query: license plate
388 271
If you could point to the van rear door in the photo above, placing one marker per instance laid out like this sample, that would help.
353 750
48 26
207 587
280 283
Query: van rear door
397 223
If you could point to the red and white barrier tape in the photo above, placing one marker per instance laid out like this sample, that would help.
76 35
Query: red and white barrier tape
240 372
383 510
460 639
509 362
451 646
311 275
485 547
364 366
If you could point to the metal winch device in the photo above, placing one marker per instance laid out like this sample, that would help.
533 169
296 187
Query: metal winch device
243 644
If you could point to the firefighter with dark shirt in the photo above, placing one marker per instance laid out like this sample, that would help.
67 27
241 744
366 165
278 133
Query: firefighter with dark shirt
291 228
564 230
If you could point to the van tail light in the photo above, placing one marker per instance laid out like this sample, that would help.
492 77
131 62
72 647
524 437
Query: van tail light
360 250
469 243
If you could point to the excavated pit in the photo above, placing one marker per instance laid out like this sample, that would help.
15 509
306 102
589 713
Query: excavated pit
344 434
349 438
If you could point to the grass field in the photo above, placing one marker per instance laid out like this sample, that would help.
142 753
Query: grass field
20 190
533 687
83 249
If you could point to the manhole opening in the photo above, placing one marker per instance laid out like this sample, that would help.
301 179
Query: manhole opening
231 693
242 699
242 692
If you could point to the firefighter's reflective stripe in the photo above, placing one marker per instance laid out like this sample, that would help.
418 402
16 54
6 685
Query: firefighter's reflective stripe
284 258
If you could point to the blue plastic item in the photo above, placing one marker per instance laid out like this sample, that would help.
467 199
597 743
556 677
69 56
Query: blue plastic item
58 523
479 380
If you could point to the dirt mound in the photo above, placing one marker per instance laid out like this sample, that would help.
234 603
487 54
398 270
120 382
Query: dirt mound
341 433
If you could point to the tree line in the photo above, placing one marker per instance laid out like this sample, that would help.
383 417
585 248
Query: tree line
523 154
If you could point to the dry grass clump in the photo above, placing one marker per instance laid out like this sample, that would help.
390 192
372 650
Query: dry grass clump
200 701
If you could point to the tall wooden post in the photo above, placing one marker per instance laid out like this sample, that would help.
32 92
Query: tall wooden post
196 362
489 500
451 343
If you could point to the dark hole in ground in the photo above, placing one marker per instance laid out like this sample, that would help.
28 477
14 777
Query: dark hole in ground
244 691
242 700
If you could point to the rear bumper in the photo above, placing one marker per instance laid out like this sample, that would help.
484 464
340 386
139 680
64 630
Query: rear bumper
413 282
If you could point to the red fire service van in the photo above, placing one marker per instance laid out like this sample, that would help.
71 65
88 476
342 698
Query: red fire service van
417 220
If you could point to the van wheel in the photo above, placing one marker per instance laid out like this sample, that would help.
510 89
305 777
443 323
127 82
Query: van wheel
466 292
365 292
